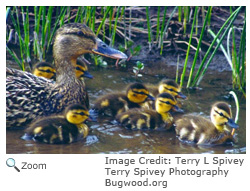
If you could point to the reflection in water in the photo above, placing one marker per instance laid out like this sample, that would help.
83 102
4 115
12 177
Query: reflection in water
106 137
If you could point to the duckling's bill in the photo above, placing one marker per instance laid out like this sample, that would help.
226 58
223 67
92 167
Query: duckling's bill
232 124
177 109
87 75
181 95
104 50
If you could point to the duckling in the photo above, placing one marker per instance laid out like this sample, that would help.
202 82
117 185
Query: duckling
169 86
28 96
60 128
47 70
148 118
44 69
115 103
201 131
82 69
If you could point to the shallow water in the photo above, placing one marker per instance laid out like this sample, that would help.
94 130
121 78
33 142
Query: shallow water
109 138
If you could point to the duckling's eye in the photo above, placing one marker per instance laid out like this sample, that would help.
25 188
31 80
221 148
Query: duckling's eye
48 71
167 102
80 33
81 113
221 114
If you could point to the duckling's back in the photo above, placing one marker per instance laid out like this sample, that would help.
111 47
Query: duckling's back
199 130
53 130
140 119
113 104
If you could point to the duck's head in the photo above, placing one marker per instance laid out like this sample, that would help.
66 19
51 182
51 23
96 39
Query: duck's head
170 86
138 93
82 69
76 113
75 39
44 69
221 116
165 102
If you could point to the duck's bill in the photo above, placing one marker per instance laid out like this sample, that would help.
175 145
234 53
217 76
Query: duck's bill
104 50
177 109
87 75
232 124
181 95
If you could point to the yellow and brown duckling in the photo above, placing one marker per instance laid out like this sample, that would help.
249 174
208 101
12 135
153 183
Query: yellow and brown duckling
44 69
82 69
47 70
160 118
201 131
28 96
60 128
116 103
168 86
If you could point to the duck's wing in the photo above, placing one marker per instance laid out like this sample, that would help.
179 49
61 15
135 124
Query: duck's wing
24 93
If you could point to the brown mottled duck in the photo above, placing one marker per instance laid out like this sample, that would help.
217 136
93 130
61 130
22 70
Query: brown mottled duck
60 128
201 131
160 118
28 96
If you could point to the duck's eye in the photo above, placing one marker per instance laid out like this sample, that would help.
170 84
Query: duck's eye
81 113
48 71
167 102
80 33
221 114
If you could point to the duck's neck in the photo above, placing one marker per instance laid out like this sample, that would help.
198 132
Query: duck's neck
65 70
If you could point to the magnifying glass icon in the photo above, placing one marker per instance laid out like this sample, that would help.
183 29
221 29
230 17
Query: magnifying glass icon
11 163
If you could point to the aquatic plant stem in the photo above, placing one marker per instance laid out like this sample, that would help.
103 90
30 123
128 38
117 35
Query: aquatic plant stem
198 49
198 75
187 54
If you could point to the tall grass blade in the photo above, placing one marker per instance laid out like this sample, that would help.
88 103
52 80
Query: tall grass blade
149 28
103 20
115 25
237 105
166 27
198 49
232 17
187 54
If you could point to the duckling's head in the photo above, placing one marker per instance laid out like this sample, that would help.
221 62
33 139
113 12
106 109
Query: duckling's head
138 93
75 39
44 69
82 69
76 113
221 115
170 86
165 102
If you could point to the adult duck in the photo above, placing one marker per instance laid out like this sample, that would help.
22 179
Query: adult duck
28 96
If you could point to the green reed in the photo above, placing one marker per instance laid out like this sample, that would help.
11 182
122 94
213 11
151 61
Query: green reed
149 28
237 105
112 42
165 29
199 75
187 54
158 23
198 48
